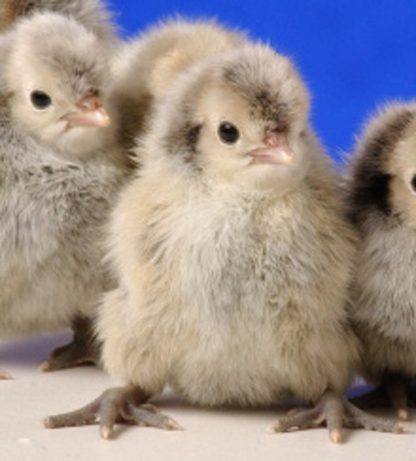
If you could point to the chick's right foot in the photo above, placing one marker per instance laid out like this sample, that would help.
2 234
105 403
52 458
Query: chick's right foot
123 405
337 413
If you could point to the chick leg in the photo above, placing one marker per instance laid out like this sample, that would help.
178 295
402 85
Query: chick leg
392 391
411 396
122 404
337 412
397 392
83 349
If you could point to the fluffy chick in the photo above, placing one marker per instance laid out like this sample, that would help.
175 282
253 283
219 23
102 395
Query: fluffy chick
382 204
145 68
60 171
232 254
92 14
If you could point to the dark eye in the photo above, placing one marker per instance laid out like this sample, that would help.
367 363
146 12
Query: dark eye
40 100
228 133
413 183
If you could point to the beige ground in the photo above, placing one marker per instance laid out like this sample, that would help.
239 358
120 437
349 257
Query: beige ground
228 435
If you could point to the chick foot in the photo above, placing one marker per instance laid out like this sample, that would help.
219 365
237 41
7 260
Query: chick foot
122 405
4 375
392 392
337 412
83 349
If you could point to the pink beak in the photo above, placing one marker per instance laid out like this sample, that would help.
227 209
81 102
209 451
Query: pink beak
91 113
277 152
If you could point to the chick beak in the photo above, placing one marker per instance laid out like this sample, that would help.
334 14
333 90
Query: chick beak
276 152
90 113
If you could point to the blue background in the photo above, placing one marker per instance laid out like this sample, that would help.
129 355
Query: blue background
354 55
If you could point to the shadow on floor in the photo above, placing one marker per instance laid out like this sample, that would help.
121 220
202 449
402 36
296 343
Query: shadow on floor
32 350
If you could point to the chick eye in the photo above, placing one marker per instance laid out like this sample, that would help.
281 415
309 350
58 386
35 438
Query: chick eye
228 133
40 99
413 183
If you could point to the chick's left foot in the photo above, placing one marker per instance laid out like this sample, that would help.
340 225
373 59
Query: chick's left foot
337 412
5 375
82 350
117 405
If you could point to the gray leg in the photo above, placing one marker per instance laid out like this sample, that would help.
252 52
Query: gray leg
392 392
115 405
84 349
411 396
396 388
337 412
376 398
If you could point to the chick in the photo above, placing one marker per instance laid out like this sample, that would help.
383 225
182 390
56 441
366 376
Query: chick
144 68
233 257
60 171
382 204
92 14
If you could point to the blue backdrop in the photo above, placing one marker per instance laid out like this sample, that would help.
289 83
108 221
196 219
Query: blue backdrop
354 54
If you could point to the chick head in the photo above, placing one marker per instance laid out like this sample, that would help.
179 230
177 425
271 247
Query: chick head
241 119
55 76
401 167
384 171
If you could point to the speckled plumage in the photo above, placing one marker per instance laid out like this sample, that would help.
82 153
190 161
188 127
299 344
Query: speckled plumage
51 213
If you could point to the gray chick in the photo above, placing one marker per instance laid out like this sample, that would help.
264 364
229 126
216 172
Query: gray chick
60 171
92 14
233 257
381 198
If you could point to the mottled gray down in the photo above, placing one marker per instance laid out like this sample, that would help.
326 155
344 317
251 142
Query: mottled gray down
55 190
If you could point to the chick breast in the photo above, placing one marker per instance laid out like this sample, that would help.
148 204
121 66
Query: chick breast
226 307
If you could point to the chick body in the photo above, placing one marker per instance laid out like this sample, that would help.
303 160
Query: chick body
242 306
234 294
381 200
60 172
52 211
